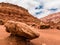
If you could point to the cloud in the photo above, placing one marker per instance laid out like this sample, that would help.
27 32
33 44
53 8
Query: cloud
49 7
55 4
38 8
2 0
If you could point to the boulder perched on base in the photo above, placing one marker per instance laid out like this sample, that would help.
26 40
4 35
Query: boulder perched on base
21 29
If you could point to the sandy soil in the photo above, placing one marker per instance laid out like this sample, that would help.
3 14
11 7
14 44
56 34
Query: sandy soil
47 37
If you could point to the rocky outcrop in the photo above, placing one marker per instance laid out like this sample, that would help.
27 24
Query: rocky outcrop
44 25
20 33
52 20
21 29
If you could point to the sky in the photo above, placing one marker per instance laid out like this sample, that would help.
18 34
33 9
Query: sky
38 8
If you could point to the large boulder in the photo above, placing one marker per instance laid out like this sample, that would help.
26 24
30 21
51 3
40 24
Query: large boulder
21 29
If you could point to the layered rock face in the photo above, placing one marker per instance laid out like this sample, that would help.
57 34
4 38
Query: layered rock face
52 20
16 13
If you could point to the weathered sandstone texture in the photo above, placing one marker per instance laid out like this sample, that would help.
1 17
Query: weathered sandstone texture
21 29
53 20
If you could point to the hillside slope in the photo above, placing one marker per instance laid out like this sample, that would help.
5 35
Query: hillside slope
53 20
16 13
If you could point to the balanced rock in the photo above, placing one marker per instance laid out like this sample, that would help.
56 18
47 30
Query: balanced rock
21 29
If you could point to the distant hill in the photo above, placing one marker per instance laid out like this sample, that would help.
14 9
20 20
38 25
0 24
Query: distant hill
17 13
53 20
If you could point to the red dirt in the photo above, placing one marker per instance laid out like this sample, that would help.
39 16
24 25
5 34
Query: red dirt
48 36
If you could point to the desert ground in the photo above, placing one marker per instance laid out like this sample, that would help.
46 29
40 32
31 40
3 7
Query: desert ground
47 36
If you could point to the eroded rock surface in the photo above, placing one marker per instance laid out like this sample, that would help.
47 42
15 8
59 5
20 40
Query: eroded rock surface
17 13
20 34
21 29
53 20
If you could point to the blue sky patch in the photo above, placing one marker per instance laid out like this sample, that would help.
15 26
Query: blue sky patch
39 7
53 9
39 12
